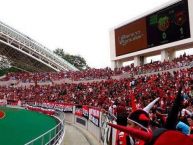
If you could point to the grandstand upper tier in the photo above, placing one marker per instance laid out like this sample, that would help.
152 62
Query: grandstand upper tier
25 53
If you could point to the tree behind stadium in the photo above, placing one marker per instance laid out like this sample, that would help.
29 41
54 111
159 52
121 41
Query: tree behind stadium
76 60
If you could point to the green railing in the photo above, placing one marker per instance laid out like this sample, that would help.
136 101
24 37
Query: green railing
51 137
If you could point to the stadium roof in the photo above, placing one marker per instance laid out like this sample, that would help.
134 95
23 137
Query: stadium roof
25 53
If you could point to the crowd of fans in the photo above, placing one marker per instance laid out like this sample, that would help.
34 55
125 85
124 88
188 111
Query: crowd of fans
107 73
111 94
107 92
182 61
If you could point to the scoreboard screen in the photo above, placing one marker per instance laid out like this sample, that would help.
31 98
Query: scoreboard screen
168 25
164 26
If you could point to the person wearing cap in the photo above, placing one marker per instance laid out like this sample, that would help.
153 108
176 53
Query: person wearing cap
161 136
139 119
121 137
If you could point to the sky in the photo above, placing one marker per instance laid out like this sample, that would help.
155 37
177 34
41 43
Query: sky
80 27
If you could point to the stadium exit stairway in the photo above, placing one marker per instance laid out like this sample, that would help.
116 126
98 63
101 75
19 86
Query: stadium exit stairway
75 135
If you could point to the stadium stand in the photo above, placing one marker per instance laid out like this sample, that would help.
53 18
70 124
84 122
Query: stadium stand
107 73
115 96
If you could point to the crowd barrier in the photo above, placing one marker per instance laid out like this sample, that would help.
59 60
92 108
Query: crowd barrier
103 133
53 136
92 119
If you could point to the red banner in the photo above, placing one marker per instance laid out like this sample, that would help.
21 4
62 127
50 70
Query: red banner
85 111
78 110
63 107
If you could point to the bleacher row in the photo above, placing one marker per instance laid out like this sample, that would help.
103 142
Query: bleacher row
106 73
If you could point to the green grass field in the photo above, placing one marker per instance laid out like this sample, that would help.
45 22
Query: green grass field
21 126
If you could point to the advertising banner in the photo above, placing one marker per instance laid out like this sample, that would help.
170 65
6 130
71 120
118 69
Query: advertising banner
68 108
106 130
131 37
94 115
63 107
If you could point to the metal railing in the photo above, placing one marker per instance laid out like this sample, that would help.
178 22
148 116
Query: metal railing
52 136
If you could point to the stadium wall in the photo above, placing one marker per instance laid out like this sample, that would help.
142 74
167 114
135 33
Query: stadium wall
103 133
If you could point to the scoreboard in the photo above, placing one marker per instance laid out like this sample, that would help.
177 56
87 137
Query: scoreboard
161 27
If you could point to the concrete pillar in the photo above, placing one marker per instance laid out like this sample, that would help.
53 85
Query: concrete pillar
116 64
113 65
136 61
164 55
172 55
112 49
145 60
119 64
142 60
